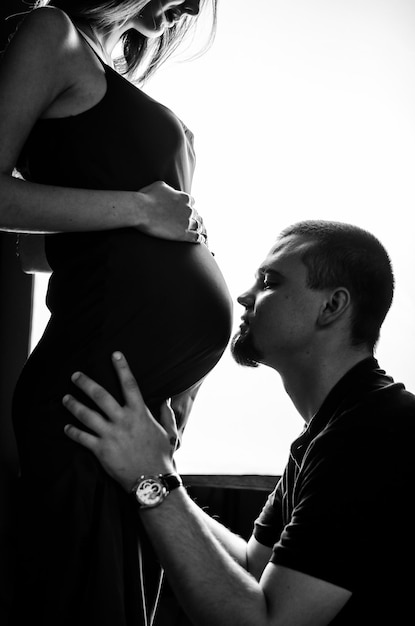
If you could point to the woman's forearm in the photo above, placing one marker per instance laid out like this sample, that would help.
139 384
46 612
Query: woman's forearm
32 207
158 210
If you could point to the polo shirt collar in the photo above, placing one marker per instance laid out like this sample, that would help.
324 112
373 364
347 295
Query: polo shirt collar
363 377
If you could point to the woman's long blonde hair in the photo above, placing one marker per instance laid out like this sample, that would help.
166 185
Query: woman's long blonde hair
105 14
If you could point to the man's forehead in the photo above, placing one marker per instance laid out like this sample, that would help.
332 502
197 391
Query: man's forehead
286 249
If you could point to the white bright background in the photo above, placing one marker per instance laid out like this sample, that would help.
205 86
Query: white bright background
302 109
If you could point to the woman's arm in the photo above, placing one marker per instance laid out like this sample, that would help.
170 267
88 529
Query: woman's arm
35 71
158 209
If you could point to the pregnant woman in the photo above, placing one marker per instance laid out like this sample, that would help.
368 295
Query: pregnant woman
130 272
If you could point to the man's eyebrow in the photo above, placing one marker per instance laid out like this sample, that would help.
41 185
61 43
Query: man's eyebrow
268 270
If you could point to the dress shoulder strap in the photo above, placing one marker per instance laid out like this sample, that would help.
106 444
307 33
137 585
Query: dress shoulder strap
96 48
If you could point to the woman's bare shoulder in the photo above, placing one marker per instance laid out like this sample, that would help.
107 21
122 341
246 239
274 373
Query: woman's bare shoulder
37 66
49 18
45 28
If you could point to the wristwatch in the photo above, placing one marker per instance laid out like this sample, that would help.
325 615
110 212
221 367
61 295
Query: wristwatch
151 490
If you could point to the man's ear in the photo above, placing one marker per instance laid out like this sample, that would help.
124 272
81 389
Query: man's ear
335 305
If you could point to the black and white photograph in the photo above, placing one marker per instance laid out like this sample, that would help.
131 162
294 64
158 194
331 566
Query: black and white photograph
207 305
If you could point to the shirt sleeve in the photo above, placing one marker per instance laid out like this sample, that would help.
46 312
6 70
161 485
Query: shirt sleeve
328 530
269 524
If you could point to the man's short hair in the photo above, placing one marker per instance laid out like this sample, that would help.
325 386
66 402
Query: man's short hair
347 256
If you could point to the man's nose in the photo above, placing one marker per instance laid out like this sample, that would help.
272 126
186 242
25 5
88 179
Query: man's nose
246 299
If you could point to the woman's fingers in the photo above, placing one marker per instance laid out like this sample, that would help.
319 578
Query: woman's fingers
197 228
171 214
196 237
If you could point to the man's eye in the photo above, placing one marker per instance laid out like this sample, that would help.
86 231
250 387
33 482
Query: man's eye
268 284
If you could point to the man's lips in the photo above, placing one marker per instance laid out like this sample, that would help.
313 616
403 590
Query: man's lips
244 323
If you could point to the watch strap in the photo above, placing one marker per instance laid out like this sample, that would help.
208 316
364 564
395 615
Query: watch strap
156 486
172 481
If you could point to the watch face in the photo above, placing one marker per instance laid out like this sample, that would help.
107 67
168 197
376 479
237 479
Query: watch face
150 492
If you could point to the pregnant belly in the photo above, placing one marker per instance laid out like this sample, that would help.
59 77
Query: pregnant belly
164 304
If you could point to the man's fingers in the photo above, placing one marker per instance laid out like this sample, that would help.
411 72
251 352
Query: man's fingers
98 394
89 418
80 436
131 390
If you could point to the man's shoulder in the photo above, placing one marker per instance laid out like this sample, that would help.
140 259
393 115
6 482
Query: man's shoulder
393 396
382 417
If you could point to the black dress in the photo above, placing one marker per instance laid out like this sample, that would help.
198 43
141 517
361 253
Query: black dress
164 304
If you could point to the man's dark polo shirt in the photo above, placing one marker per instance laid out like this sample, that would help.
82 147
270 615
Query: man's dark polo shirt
342 511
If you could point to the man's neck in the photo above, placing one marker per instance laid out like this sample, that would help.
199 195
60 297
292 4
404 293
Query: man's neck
308 386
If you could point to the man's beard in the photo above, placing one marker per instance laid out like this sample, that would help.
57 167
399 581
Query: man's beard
243 351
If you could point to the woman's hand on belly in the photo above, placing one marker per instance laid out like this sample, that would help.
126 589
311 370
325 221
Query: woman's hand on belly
169 214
